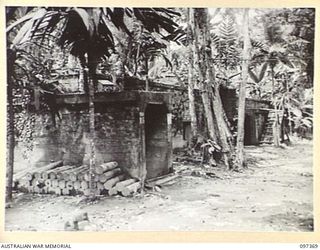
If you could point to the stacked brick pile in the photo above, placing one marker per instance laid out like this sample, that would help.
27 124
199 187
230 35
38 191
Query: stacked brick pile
55 178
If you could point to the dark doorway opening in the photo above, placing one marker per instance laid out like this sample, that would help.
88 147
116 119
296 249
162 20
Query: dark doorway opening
250 130
156 140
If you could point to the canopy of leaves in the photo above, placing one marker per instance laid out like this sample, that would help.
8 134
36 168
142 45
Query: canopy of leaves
87 30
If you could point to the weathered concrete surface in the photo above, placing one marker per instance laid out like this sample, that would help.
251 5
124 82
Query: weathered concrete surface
118 131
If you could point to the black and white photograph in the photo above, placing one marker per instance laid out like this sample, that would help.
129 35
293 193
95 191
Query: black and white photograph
127 119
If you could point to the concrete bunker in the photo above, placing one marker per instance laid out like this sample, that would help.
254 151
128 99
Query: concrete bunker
131 127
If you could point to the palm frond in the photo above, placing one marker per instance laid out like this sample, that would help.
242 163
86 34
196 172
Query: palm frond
83 14
284 59
117 17
20 21
25 31
259 45
263 71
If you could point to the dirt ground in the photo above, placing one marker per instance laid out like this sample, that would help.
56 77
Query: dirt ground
275 193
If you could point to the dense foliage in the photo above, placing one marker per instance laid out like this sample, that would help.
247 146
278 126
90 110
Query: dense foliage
199 52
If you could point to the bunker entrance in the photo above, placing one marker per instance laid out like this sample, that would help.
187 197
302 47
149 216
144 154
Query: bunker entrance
156 141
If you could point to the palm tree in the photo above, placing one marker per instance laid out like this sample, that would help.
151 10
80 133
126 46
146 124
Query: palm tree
144 50
87 33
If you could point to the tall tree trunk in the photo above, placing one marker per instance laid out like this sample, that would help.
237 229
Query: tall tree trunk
225 136
224 133
10 133
84 75
200 23
191 44
221 132
92 66
242 92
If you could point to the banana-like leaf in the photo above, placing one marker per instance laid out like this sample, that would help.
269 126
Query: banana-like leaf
159 39
307 122
308 106
153 20
105 31
52 23
23 33
96 17
129 12
105 12
167 11
179 36
263 71
116 16
84 16
253 76
285 60
20 20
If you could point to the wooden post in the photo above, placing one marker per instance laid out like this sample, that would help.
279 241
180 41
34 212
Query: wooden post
143 166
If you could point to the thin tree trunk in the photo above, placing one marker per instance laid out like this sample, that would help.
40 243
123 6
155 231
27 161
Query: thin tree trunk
242 92
192 110
276 122
199 37
91 86
92 136
138 53
84 74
